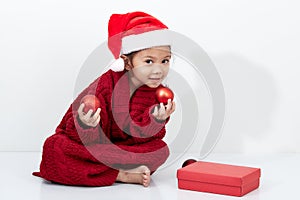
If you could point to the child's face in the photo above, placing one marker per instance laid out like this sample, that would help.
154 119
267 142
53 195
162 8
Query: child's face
149 66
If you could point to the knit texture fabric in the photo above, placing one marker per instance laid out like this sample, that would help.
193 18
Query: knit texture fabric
126 137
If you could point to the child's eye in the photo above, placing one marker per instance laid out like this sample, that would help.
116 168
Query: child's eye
165 61
149 61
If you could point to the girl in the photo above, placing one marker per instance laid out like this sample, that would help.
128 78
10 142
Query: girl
122 140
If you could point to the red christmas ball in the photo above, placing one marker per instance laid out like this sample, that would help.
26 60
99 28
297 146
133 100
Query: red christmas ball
91 102
188 162
163 94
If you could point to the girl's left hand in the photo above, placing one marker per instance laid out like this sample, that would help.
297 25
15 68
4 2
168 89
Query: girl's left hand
162 112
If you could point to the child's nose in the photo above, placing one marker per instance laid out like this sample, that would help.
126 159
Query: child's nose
157 69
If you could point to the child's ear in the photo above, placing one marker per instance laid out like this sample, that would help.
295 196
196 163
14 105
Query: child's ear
127 64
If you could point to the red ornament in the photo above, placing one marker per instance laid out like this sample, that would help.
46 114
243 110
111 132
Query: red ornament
163 94
91 102
188 162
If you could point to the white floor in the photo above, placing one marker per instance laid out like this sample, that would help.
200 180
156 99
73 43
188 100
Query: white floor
280 180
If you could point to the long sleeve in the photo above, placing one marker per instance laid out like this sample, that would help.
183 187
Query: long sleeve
133 115
144 124
79 155
70 124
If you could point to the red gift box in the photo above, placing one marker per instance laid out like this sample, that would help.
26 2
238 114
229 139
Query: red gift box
218 178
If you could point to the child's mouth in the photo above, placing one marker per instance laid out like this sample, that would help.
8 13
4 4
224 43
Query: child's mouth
155 79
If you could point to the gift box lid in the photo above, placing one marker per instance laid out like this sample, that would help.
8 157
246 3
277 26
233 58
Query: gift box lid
216 173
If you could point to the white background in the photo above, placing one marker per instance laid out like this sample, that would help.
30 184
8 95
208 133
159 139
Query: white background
254 44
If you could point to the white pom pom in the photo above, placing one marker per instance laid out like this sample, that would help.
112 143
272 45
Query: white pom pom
117 65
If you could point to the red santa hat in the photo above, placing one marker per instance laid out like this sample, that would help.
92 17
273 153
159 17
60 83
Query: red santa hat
134 31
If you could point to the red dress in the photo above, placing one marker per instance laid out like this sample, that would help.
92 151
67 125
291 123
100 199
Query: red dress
126 137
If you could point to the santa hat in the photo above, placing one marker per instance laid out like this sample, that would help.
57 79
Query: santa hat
133 32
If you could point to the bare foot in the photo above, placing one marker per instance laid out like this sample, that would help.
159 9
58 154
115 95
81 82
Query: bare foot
140 175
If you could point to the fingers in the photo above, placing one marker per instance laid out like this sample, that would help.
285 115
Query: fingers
93 117
169 105
80 109
173 107
97 113
159 111
169 108
89 118
155 112
98 120
96 117
162 111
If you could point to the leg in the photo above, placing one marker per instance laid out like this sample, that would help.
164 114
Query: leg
59 167
151 154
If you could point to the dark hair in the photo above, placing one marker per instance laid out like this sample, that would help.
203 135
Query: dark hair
130 57
132 54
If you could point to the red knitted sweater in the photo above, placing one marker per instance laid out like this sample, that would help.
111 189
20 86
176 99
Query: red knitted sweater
127 136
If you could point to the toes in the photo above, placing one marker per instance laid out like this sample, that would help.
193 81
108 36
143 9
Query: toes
145 177
146 180
146 183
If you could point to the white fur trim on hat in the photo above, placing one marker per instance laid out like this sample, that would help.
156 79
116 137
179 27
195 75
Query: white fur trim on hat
117 65
146 40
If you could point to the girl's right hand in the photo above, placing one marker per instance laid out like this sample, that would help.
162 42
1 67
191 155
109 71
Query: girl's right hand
89 119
